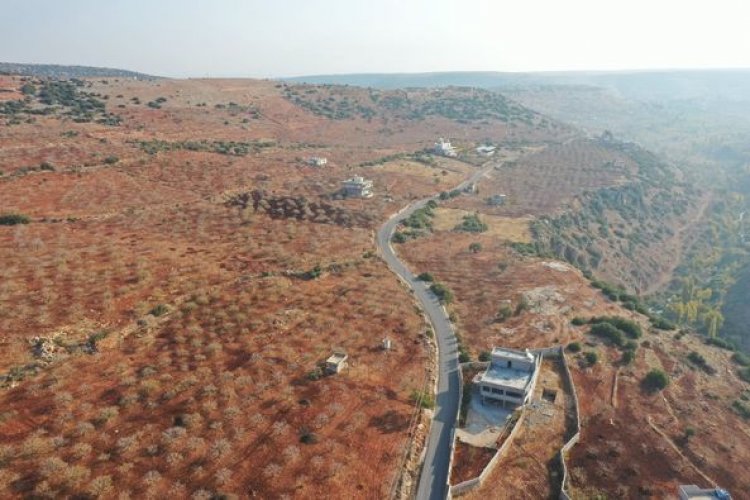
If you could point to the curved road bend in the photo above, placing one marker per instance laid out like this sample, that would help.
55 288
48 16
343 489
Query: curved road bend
434 477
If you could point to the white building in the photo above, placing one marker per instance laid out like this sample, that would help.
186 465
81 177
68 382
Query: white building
486 150
317 161
510 378
691 491
336 362
444 148
357 187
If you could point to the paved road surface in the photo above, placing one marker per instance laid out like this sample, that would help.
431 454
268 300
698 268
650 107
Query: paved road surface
434 478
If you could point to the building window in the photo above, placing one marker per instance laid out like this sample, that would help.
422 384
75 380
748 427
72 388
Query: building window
497 391
510 365
485 388
513 394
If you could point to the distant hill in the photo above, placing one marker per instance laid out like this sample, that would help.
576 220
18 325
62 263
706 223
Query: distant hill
60 71
640 85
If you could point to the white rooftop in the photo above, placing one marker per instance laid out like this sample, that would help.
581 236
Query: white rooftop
507 377
512 354
337 357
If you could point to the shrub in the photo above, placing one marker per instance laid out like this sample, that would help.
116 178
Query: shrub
627 357
661 323
742 409
472 224
399 237
111 160
591 358
442 292
159 310
744 374
308 437
463 355
315 374
475 247
13 219
701 362
504 312
28 89
741 359
423 399
313 273
485 356
655 380
724 344
627 326
578 321
608 332
425 277
574 347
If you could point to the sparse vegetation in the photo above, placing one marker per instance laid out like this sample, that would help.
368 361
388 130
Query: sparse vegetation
13 219
423 399
655 380
442 293
159 310
472 224
574 347
230 148
591 358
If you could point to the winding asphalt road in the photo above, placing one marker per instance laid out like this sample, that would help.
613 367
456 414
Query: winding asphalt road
434 479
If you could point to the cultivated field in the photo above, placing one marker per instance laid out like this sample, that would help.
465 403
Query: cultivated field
160 338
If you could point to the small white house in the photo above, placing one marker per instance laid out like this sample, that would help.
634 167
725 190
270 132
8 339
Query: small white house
357 187
510 378
444 148
486 150
317 161
336 362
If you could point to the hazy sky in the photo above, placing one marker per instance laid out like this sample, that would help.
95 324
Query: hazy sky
300 37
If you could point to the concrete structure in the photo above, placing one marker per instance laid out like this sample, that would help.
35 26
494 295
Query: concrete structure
317 161
486 150
496 200
691 491
510 377
336 362
444 148
357 187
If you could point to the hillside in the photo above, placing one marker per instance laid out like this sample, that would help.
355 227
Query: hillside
177 271
66 71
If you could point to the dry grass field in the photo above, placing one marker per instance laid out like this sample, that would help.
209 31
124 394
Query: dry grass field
498 228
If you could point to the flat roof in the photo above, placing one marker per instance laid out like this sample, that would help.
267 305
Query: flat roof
508 377
512 354
336 357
